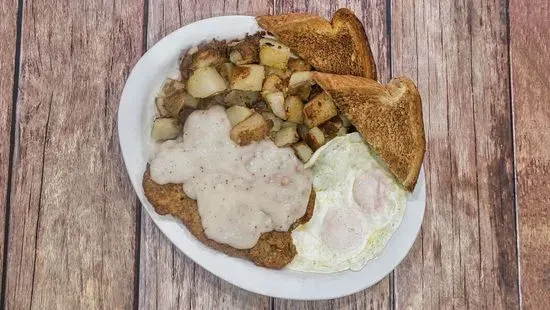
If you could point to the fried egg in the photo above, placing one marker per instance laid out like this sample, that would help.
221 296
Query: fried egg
358 207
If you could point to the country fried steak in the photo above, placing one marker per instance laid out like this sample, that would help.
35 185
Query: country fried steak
274 249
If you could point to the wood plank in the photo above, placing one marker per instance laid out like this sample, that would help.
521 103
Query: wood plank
466 254
8 32
72 231
168 279
372 14
529 52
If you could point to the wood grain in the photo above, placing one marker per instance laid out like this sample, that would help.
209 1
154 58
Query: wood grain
8 32
529 50
372 14
168 279
466 255
72 231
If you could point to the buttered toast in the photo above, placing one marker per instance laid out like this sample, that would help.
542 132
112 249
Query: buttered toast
339 47
388 116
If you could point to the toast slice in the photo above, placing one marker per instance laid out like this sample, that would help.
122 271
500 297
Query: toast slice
389 117
341 47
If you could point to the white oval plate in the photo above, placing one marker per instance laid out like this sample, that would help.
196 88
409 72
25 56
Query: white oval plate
135 115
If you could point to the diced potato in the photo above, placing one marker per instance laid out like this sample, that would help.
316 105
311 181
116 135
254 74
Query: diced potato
241 97
277 122
315 138
254 128
226 70
294 109
303 151
159 102
172 105
297 64
283 74
345 121
300 78
286 136
274 54
165 128
276 102
205 82
177 101
248 77
319 110
211 55
245 51
170 87
272 83
331 127
237 114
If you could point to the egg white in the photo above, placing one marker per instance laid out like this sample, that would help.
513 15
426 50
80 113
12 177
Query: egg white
343 234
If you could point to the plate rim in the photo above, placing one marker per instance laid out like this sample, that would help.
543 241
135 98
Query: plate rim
162 221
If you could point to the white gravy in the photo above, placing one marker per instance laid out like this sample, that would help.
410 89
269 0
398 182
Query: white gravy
242 191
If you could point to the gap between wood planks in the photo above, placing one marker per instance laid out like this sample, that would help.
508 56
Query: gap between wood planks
15 96
139 207
513 133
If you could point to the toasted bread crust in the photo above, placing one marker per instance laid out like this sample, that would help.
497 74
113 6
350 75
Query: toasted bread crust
274 249
388 116
341 47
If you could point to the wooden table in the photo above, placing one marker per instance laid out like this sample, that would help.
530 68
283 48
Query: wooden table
74 234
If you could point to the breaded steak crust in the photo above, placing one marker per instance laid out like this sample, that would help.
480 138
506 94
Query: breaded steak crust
274 249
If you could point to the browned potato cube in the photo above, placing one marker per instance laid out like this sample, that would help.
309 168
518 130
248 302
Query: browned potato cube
297 64
245 51
241 97
165 128
276 102
272 83
274 54
276 122
300 78
248 77
170 87
205 82
211 55
283 74
254 128
294 109
331 127
237 114
303 151
315 138
319 110
286 136
159 102
226 70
